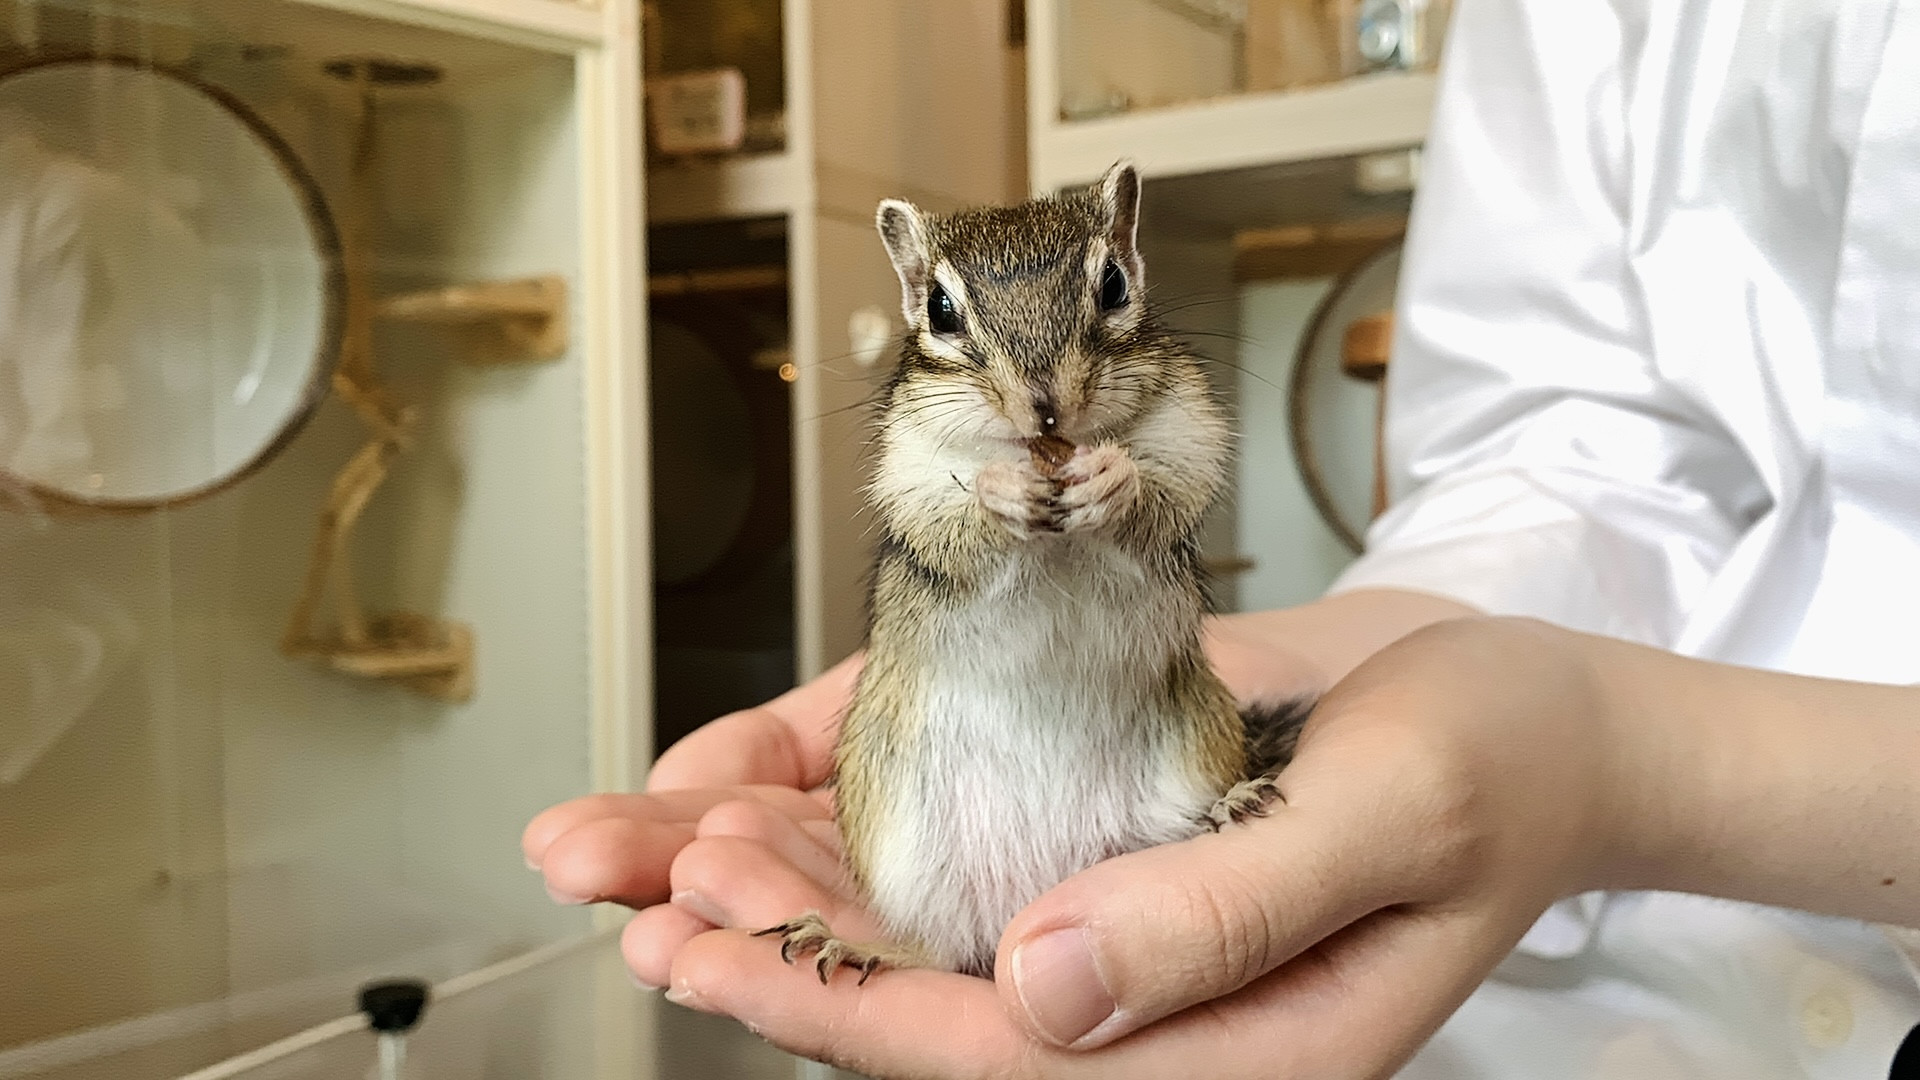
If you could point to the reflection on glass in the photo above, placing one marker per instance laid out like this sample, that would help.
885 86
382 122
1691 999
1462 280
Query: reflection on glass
166 308
1121 55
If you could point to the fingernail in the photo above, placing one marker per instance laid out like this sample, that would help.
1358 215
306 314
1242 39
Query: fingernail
531 865
1060 986
696 904
682 995
566 898
640 984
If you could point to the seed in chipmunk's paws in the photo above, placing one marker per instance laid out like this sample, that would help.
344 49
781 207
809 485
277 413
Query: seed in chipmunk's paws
1049 452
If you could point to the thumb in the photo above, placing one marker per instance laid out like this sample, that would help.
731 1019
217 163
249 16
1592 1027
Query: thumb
1144 935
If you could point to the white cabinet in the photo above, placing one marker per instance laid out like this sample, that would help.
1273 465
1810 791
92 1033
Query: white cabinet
206 842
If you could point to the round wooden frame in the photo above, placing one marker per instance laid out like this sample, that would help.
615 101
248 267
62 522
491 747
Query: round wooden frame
1304 457
326 238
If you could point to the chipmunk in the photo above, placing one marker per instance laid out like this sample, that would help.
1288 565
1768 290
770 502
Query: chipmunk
1035 698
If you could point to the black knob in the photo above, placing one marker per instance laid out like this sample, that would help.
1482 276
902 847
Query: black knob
395 1005
1906 1060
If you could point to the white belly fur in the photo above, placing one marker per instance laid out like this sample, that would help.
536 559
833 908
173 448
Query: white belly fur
1044 746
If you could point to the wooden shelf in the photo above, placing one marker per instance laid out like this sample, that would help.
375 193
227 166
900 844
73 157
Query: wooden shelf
548 24
720 188
1311 251
1357 116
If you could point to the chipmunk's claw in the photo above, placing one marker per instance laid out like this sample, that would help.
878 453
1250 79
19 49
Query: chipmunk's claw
1247 799
809 934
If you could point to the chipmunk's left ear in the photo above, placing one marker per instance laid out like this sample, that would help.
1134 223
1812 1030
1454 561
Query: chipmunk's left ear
1120 197
903 229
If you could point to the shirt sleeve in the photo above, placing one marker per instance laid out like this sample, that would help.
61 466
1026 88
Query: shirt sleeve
1537 462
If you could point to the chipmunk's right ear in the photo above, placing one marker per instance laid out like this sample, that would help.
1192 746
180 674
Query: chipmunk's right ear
904 230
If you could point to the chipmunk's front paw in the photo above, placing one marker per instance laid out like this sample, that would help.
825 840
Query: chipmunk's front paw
1099 484
1248 798
1017 496
809 934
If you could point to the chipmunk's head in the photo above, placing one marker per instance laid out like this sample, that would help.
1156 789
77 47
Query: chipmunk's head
1028 320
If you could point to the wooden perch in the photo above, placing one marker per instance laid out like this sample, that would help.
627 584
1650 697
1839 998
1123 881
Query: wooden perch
528 317
426 654
1364 347
733 279
1363 355
1223 565
432 656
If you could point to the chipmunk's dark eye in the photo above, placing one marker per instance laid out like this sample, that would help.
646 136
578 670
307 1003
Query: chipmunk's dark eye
942 316
1113 287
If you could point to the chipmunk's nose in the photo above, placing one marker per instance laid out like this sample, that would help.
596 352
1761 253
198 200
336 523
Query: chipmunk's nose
1046 414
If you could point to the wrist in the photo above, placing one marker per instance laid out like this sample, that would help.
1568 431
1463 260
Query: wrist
1649 760
1759 786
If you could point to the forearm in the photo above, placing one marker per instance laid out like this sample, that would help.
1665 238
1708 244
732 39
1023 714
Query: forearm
1758 786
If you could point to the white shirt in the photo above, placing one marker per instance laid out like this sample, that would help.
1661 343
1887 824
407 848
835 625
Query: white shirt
1657 376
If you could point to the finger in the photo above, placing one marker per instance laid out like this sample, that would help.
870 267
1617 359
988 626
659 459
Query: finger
653 937
756 821
787 741
622 860
1384 986
902 1023
732 882
824 832
665 807
1138 937
1255 669
1355 1007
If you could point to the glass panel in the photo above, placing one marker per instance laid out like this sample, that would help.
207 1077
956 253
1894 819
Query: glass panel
570 1014
264 265
1122 55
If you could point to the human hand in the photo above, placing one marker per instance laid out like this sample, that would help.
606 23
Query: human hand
620 848
750 784
1443 795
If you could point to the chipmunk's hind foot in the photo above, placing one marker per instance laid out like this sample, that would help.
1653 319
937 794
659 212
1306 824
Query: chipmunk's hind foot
1272 729
810 935
1246 799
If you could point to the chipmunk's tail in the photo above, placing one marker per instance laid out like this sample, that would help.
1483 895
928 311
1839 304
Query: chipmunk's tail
1272 729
